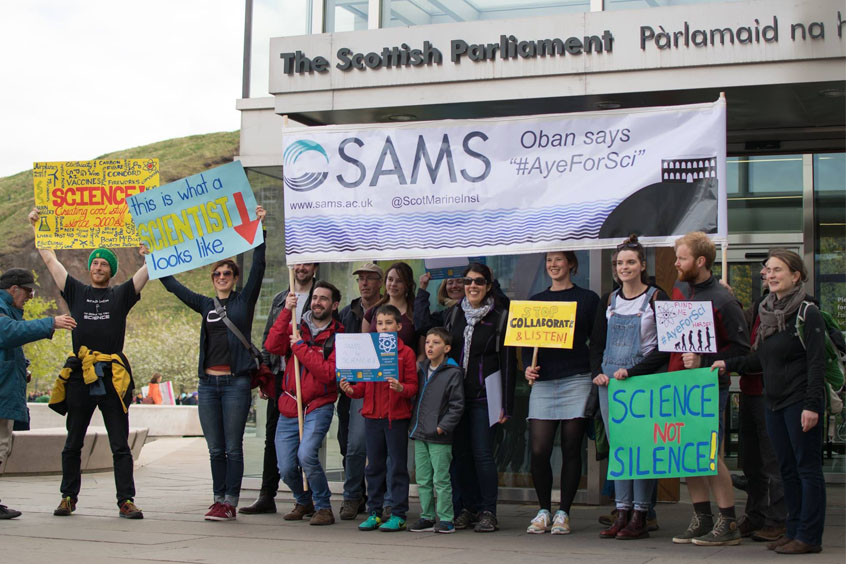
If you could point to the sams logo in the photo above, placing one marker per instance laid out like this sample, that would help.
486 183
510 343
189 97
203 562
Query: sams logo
306 165
397 162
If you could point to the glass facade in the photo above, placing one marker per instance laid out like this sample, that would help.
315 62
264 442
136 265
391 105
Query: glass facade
830 220
764 193
401 13
346 15
272 18
637 4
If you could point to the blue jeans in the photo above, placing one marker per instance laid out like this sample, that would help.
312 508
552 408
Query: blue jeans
293 455
387 465
628 493
476 479
356 457
223 406
800 460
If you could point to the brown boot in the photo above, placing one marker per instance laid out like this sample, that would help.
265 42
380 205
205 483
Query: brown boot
322 517
299 512
636 528
798 547
618 525
778 542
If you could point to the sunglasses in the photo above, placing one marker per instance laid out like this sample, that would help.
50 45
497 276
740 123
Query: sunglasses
223 274
477 281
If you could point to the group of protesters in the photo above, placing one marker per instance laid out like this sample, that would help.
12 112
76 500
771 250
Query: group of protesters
438 399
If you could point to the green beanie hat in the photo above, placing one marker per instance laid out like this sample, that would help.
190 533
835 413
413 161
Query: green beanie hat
106 255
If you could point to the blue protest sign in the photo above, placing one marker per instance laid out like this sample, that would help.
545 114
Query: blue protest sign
366 357
196 221
443 268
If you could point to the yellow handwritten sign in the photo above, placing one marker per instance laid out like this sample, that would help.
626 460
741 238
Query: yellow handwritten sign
83 203
541 324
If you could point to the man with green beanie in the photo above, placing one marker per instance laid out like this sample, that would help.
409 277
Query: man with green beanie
97 375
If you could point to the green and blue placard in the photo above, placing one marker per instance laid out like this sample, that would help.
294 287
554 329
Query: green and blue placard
663 425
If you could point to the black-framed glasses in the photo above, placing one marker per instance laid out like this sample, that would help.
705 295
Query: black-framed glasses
222 274
480 281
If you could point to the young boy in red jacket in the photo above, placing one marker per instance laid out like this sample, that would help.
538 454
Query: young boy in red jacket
387 411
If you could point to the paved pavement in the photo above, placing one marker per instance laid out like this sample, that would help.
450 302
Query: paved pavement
174 486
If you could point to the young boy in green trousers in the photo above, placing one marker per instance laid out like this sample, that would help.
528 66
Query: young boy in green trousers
440 403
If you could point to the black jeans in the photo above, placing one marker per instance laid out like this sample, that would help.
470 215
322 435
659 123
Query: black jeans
81 405
474 471
270 470
765 492
800 461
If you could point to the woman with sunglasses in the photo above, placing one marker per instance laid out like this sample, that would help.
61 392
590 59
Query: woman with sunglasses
561 384
224 371
399 292
624 344
477 327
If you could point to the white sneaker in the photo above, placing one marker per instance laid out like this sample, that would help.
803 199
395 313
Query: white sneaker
540 524
561 523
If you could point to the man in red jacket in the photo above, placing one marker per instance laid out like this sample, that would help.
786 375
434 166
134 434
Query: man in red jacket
315 352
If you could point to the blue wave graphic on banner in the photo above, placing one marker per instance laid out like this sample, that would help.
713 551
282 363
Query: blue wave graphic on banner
445 230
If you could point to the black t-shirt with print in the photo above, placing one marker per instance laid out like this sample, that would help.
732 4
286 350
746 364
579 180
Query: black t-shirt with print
217 339
100 314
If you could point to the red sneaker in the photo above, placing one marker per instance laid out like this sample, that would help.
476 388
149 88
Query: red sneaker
221 512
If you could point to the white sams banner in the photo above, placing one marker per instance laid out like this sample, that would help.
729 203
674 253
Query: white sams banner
504 186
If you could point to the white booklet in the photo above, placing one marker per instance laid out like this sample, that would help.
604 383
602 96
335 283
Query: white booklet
493 387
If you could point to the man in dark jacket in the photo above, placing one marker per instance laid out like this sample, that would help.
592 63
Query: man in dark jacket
350 420
695 254
304 280
314 351
17 288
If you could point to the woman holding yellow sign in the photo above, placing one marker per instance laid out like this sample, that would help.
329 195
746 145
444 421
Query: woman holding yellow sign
624 343
560 388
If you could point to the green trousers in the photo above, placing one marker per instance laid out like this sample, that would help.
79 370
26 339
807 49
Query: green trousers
432 466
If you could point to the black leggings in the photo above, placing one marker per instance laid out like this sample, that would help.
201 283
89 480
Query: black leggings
542 438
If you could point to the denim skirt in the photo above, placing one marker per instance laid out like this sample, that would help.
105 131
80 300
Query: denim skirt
555 400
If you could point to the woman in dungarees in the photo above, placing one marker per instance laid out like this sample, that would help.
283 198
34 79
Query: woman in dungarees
625 339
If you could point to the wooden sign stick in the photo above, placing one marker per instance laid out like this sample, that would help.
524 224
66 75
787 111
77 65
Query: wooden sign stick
534 363
295 330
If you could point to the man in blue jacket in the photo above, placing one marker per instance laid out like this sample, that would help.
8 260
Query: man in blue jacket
16 288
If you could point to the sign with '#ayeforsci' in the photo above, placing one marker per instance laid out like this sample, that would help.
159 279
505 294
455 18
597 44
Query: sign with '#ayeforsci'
685 327
663 425
459 188
82 204
541 324
198 220
366 357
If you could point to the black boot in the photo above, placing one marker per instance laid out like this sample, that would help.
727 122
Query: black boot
264 504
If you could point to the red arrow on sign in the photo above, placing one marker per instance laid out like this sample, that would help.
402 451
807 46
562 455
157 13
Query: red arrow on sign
247 229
